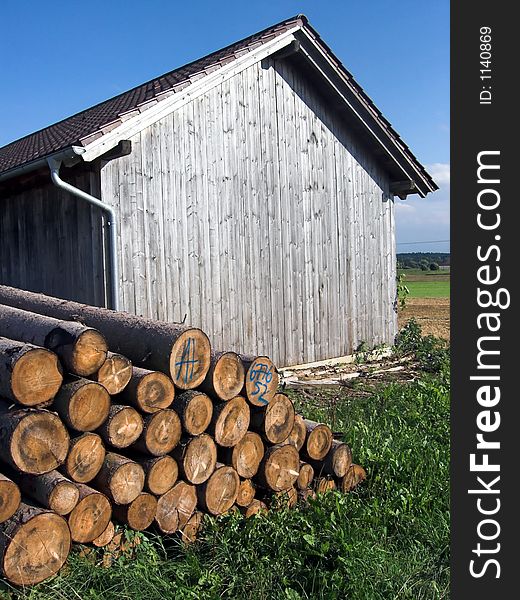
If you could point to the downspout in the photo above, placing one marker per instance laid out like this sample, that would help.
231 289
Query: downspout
54 166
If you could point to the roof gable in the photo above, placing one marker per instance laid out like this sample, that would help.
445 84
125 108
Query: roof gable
99 128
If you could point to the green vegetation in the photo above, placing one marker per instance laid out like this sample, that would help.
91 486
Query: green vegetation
389 539
414 260
426 284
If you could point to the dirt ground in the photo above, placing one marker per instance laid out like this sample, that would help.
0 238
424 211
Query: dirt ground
432 314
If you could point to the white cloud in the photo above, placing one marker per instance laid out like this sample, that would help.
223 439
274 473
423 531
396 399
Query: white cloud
440 173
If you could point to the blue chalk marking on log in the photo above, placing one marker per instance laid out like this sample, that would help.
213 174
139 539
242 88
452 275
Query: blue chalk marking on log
259 373
188 361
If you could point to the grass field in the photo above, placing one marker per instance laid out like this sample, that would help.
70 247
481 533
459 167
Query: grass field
387 540
426 284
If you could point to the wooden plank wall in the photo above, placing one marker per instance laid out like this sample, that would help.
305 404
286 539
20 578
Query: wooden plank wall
253 213
51 242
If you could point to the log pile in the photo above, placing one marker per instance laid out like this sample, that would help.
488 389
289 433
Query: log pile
108 418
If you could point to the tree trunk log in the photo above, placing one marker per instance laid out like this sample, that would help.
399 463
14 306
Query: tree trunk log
122 427
139 514
51 490
82 404
191 530
28 375
230 421
161 433
85 457
177 350
34 545
195 410
9 498
176 507
286 498
305 477
318 441
225 378
115 373
106 537
279 468
354 476
32 440
261 380
91 516
298 433
254 508
82 350
196 458
218 494
246 493
274 421
120 478
246 456
337 461
148 391
161 473
324 484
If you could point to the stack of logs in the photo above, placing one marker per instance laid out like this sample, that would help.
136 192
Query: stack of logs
105 416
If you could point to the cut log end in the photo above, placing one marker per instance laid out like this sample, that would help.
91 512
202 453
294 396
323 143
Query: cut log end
150 391
191 530
225 378
176 507
195 410
354 476
115 373
305 477
262 381
161 474
90 517
279 468
246 493
83 404
339 459
161 433
197 458
120 478
276 421
123 426
89 353
63 497
319 440
298 433
247 455
9 498
325 484
34 545
36 377
230 421
286 498
106 537
85 458
256 507
219 493
190 359
140 513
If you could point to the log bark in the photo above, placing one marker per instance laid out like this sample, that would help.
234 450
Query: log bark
51 490
122 427
257 506
196 458
82 350
305 477
230 421
91 515
225 377
190 531
318 440
195 410
34 545
82 404
29 375
85 457
9 498
353 477
161 473
139 514
161 433
177 350
120 478
106 537
246 493
279 468
115 373
298 433
32 440
337 461
275 421
246 456
148 391
261 380
218 494
176 507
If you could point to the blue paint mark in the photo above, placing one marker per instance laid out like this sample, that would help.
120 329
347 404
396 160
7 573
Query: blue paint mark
187 361
260 374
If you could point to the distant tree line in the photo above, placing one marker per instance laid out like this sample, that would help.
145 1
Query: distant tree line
427 261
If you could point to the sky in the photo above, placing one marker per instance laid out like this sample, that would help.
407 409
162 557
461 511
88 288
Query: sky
59 58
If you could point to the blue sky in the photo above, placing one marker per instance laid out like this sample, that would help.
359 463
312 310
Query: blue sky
62 57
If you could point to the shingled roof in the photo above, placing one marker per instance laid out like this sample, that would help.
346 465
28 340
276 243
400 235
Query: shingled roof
92 123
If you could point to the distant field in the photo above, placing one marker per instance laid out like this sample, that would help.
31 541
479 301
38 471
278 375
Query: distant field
427 284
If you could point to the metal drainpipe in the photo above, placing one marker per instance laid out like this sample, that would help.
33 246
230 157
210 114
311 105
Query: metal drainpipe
54 166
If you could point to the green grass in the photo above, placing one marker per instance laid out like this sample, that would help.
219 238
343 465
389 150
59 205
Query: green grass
428 289
389 539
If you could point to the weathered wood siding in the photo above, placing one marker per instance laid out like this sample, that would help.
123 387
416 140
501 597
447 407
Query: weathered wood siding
253 212
51 242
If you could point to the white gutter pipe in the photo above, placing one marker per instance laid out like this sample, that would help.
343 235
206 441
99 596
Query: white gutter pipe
54 166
